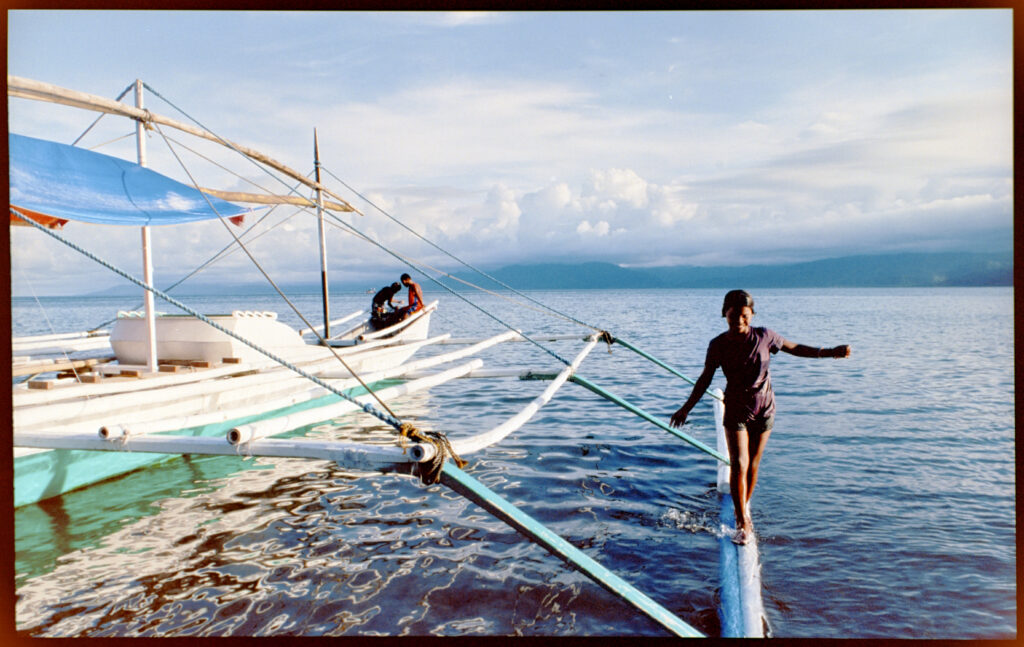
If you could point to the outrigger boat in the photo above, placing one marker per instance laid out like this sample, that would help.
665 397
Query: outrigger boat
89 406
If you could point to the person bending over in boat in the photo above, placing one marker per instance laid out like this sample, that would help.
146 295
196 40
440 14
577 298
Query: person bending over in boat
743 352
383 307
415 297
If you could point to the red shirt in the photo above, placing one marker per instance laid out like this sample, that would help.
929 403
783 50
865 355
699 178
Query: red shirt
414 297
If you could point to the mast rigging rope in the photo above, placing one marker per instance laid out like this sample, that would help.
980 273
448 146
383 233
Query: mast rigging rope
367 407
102 115
450 290
456 258
257 163
273 284
260 164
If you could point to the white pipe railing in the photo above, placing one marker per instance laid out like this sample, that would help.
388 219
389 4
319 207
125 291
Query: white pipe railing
82 403
316 361
335 322
17 341
426 362
346 455
274 426
464 446
485 373
520 338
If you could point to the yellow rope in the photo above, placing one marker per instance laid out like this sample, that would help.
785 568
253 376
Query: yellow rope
430 471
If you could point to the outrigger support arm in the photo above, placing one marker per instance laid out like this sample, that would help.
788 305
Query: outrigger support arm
478 493
611 397
264 198
657 361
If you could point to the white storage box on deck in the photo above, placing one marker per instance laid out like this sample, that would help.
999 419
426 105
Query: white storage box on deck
184 337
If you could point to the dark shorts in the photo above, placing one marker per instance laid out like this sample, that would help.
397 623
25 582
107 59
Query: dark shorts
758 424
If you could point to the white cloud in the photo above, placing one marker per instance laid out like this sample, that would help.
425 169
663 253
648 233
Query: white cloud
585 158
669 205
461 18
501 202
598 229
618 186
552 198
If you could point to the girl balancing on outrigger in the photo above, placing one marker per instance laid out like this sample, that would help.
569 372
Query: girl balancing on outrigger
743 352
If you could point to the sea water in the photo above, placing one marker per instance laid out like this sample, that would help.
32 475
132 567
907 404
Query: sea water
885 506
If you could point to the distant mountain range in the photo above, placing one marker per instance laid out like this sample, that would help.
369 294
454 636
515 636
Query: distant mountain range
948 269
888 270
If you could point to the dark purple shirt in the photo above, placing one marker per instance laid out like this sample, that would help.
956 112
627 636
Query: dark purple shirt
748 390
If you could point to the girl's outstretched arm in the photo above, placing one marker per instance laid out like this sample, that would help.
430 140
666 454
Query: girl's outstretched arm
703 382
837 352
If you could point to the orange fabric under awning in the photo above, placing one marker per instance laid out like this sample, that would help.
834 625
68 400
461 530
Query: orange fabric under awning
49 222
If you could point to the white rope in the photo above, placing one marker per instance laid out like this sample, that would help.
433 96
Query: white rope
46 317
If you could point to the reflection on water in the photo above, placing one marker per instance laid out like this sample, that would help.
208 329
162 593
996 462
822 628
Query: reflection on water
239 546
312 553
243 546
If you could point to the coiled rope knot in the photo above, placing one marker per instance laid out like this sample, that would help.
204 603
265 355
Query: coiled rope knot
429 471
607 338
147 120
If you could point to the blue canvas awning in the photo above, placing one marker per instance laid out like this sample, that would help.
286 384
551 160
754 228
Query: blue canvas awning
71 183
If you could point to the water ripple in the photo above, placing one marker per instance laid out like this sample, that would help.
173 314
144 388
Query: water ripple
885 508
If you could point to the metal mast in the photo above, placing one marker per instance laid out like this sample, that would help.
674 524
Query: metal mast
323 240
147 257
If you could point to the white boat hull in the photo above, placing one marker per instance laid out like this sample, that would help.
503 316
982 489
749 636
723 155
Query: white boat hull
188 400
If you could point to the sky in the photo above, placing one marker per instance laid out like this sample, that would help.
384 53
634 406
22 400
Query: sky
639 138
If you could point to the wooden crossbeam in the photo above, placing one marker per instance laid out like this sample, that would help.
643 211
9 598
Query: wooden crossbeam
47 367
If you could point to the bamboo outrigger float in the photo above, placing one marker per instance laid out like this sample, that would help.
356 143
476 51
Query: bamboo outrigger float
99 404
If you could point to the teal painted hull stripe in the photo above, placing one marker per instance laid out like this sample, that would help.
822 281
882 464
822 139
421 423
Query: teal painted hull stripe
478 493
648 417
51 473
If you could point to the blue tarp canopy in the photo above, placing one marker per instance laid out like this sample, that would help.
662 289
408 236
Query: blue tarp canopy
73 183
